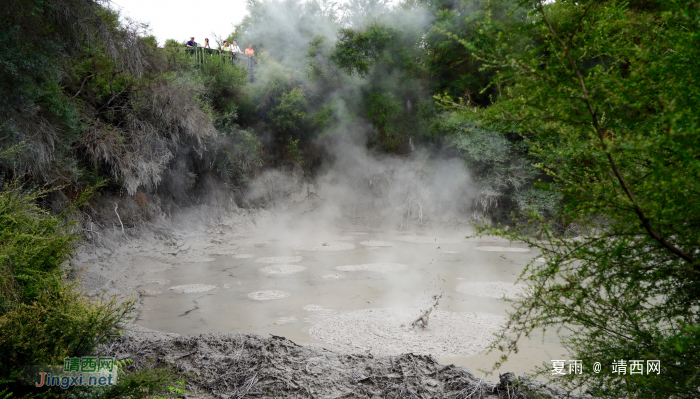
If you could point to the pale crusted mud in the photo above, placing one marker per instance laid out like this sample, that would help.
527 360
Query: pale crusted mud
282 269
373 267
327 246
333 276
317 308
243 256
191 288
502 249
388 331
268 295
493 289
429 239
280 259
376 243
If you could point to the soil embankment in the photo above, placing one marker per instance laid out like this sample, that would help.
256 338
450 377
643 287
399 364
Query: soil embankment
237 366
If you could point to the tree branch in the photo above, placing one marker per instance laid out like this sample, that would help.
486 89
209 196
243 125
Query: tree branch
637 209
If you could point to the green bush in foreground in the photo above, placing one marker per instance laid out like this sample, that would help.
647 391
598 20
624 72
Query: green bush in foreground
43 319
56 325
149 382
33 245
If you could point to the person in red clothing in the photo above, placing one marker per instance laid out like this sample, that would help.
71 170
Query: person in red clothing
249 51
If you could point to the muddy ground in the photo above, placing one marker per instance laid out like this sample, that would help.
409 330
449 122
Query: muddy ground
237 366
240 366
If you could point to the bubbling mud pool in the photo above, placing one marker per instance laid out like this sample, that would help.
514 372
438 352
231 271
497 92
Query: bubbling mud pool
356 294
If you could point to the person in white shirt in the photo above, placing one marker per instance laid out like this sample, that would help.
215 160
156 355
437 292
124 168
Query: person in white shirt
234 47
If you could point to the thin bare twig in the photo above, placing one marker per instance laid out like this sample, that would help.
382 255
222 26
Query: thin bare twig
120 219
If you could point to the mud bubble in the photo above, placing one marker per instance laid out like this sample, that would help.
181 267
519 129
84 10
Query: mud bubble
282 269
191 288
280 259
373 267
268 295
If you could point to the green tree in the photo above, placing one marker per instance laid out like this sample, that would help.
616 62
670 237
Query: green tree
454 69
289 115
606 97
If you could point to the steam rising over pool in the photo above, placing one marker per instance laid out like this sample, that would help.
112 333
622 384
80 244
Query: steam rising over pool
359 294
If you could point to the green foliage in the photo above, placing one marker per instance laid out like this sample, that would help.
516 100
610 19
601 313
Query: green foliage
378 45
387 55
175 391
59 323
382 108
172 44
606 97
148 382
35 64
289 115
320 67
224 84
357 52
42 320
457 70
291 150
271 83
238 151
33 245
499 162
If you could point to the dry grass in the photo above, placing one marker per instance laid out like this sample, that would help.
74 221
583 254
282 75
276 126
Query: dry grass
138 150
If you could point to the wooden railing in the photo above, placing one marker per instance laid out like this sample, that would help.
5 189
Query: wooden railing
202 54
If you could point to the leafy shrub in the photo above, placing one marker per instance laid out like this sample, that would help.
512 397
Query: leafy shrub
289 115
238 151
42 320
33 245
224 84
146 383
622 282
502 167
59 323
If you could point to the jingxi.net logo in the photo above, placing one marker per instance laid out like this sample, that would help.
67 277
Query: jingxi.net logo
77 371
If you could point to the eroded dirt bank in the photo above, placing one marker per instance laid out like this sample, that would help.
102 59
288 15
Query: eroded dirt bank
238 366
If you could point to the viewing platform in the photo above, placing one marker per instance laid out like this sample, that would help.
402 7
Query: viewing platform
202 54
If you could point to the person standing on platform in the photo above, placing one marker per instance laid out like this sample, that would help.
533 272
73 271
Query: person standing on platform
235 48
249 51
191 42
